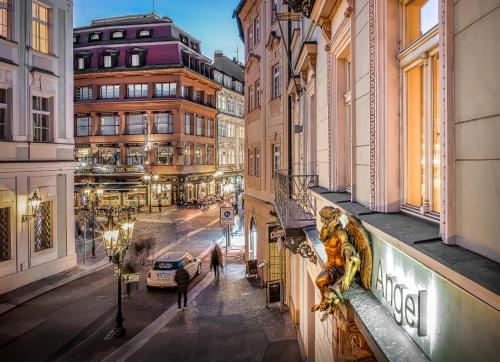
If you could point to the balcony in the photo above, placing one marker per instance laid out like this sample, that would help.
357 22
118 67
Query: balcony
293 199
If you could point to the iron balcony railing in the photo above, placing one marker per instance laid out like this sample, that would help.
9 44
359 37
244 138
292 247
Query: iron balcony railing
293 198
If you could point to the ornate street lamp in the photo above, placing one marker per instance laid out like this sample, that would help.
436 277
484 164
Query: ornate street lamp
117 238
33 205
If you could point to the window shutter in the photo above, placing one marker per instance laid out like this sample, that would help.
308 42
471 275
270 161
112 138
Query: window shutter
114 59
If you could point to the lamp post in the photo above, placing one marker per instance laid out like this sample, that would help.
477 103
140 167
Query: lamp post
33 206
117 238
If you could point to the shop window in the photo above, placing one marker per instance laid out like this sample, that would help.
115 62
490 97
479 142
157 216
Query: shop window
4 124
137 90
4 19
110 91
43 227
276 87
108 155
135 155
83 126
41 119
136 124
83 93
420 16
165 89
40 28
5 234
163 123
165 155
110 125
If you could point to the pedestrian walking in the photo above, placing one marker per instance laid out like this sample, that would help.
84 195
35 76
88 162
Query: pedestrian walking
182 280
128 268
216 260
159 204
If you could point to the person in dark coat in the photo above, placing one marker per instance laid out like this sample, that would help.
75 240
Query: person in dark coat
182 280
159 204
216 260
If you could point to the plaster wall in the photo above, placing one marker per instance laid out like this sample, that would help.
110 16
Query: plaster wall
477 125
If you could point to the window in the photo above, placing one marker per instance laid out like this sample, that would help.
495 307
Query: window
420 16
197 96
210 126
199 126
163 123
222 129
231 157
276 158
223 102
187 123
136 124
3 114
347 126
210 155
76 38
250 38
218 77
250 165
110 91
185 92
257 162
187 155
108 62
83 126
95 36
165 155
83 93
136 57
135 60
276 91
144 33
108 155
274 10
118 34
257 93
4 25
208 100
228 82
238 86
5 233
81 63
230 104
241 131
43 227
137 90
165 89
250 99
231 130
40 28
256 27
197 155
421 109
110 125
41 119
135 155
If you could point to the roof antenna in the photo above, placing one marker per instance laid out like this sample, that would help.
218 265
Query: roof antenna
237 53
154 7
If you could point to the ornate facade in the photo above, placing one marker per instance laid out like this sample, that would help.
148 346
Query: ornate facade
145 102
36 141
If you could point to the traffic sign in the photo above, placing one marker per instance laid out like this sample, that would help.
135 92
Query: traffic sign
131 278
226 215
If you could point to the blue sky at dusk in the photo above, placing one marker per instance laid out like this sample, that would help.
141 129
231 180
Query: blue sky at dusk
209 21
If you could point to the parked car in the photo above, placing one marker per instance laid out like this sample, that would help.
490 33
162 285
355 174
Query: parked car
163 273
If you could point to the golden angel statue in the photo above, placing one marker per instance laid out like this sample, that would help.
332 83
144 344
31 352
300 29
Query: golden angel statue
348 250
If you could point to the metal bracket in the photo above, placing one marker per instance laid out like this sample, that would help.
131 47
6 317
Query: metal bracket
302 248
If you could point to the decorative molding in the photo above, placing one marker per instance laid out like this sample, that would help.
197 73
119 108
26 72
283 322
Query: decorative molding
372 102
330 120
272 40
252 58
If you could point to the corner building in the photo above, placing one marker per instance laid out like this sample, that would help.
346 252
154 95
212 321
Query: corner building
144 103
36 141
393 116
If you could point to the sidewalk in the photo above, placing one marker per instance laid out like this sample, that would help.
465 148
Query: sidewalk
227 321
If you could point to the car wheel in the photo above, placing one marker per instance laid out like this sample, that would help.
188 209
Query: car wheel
149 288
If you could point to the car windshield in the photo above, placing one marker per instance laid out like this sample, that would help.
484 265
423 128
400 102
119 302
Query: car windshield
167 265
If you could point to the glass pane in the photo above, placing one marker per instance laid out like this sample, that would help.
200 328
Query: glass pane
414 136
436 174
421 16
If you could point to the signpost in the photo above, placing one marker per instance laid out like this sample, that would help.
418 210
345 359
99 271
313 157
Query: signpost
227 219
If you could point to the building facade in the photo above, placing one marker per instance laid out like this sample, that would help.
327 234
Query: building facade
393 117
230 124
266 127
36 141
144 103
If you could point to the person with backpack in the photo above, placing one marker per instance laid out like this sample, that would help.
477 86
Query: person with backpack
182 280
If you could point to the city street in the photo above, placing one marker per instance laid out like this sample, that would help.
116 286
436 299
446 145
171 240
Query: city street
72 322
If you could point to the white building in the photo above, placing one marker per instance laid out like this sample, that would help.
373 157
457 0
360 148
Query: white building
36 140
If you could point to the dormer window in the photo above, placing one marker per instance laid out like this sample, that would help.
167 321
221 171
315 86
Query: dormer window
119 34
137 57
110 58
144 33
82 60
95 36
184 39
76 38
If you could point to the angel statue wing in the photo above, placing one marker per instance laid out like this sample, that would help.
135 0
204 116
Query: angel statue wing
358 237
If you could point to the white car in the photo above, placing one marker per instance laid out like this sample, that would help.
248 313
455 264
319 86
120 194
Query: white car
163 273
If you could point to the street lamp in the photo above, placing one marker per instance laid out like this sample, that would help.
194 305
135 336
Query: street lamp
117 238
92 199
